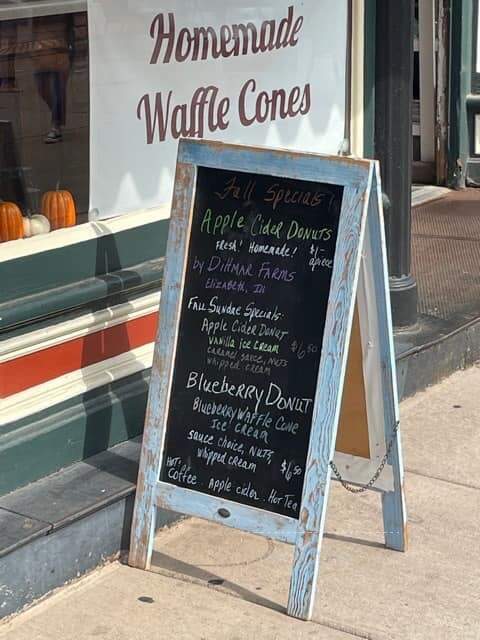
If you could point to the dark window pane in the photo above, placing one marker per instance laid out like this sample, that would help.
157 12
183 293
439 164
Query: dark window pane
44 109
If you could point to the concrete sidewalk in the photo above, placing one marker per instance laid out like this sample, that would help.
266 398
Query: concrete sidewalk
211 582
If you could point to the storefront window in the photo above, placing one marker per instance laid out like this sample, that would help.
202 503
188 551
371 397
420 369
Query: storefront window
44 116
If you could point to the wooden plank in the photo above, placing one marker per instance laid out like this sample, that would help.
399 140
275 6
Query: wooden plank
356 469
393 502
152 447
201 505
328 400
275 162
353 433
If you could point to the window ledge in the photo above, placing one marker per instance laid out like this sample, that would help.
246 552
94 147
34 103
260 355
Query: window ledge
29 309
35 9
89 231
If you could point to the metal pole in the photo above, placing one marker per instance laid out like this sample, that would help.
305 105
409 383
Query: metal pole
393 146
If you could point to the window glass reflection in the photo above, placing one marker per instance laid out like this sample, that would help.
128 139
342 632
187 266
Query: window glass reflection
44 114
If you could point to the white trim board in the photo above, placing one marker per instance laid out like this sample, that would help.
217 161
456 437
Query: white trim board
36 8
36 399
82 232
86 324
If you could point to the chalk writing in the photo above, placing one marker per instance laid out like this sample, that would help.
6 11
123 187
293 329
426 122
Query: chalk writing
253 309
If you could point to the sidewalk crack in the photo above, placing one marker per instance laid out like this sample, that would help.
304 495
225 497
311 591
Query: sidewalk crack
347 629
23 515
464 485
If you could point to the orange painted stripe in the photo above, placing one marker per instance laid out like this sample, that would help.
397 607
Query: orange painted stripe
47 364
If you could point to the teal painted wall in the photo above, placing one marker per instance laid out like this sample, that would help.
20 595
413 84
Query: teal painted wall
46 288
42 272
71 431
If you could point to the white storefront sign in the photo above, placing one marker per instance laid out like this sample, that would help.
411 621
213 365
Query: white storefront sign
263 73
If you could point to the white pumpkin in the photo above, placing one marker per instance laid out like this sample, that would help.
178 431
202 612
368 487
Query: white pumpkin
35 226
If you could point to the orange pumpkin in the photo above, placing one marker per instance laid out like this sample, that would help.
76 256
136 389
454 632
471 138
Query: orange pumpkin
11 222
59 208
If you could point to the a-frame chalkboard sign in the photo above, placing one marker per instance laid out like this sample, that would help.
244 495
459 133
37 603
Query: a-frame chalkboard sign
268 253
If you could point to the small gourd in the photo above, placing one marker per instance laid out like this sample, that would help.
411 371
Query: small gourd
11 222
35 226
59 208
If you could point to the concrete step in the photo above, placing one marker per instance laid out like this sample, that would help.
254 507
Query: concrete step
64 525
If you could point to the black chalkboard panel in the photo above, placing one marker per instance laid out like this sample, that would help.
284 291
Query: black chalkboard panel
253 310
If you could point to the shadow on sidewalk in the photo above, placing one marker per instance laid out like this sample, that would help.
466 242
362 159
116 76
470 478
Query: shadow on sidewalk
177 569
163 563
365 543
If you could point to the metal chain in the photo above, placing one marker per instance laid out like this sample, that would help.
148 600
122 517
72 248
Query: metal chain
353 489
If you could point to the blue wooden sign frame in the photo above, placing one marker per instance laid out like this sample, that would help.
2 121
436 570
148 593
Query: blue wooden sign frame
360 248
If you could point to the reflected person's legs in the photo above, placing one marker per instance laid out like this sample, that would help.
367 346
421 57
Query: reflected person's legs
52 88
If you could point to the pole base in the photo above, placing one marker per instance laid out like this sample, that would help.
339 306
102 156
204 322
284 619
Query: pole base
403 297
